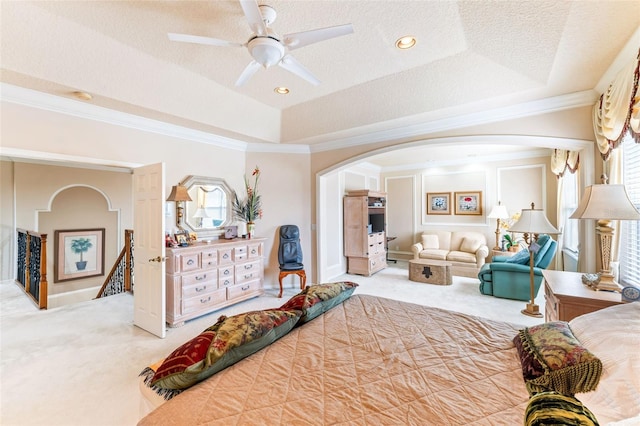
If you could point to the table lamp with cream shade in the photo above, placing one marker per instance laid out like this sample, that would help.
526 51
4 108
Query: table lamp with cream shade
201 214
179 194
605 203
534 222
498 212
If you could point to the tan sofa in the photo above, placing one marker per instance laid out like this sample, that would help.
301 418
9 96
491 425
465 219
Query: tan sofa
465 250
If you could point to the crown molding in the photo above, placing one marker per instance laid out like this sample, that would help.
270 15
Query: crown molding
363 137
353 137
58 104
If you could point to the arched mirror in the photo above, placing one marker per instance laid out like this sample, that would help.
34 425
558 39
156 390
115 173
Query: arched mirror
210 207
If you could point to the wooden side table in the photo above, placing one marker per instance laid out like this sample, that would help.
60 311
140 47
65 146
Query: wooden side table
566 297
502 253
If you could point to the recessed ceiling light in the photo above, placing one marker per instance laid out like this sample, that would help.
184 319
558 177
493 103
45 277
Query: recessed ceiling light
406 42
83 96
281 90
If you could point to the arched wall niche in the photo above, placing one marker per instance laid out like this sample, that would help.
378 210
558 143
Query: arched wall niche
79 207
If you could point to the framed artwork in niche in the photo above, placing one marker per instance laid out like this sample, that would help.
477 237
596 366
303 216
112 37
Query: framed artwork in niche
469 202
438 203
78 253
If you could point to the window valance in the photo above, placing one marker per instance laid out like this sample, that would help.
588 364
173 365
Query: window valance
618 110
563 160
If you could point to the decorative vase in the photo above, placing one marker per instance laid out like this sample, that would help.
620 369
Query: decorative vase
251 226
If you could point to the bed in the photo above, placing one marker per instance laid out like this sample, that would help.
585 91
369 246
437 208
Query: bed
368 360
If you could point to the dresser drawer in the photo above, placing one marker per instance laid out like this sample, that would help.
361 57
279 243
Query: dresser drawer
209 259
199 289
189 262
240 253
225 256
377 262
199 278
203 302
248 271
246 288
254 250
226 276
551 305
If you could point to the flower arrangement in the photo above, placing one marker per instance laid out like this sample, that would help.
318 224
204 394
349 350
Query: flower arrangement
505 224
249 208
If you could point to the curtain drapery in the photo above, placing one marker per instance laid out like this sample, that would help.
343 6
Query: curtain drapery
563 160
618 110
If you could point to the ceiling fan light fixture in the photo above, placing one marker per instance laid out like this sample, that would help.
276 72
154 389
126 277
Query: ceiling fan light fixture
406 42
281 90
266 51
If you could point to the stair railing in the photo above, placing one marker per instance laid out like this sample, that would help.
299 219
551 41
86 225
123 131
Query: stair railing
120 279
32 266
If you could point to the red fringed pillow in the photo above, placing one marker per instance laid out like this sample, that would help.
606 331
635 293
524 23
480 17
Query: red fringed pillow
226 342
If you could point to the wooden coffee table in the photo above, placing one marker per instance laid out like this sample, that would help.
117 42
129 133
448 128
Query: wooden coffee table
430 271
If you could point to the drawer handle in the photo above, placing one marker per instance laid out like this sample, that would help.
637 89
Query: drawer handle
226 272
225 256
198 290
248 266
226 282
190 262
246 288
198 278
254 251
208 299
248 276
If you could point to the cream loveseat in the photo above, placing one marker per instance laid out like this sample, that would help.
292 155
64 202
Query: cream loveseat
465 250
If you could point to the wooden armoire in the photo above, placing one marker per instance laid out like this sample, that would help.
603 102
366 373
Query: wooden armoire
364 231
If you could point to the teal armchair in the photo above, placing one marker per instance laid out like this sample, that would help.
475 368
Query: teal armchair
508 277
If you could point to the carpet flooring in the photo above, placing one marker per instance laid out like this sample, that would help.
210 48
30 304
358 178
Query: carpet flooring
78 364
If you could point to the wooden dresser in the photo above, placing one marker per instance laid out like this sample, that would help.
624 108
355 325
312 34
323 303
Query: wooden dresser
566 297
205 277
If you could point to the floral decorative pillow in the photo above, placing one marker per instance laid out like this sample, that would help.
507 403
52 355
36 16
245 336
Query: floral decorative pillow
552 408
553 359
226 342
316 299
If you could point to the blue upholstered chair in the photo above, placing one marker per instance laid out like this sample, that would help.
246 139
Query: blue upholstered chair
508 277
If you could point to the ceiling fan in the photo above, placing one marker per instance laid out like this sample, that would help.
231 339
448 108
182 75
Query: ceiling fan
268 48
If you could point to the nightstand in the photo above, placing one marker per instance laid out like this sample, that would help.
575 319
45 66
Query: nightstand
566 297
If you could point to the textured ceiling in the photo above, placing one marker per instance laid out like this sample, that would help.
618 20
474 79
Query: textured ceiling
470 56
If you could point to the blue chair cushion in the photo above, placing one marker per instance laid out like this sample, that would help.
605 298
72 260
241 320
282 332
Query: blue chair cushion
521 258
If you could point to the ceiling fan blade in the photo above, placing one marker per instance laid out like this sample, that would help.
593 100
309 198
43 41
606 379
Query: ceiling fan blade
247 73
201 40
290 64
304 38
252 12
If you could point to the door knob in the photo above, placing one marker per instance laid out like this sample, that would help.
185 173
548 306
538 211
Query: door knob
157 259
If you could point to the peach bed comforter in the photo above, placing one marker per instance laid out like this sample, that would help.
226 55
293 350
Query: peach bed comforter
368 361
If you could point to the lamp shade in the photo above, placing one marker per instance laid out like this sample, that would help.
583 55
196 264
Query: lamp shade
201 212
498 212
533 221
179 193
606 202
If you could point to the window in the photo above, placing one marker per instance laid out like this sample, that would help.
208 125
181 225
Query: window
570 203
630 229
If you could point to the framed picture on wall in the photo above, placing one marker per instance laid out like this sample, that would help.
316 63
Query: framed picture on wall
78 253
469 202
438 203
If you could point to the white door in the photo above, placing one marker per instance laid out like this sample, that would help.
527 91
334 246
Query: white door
149 249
